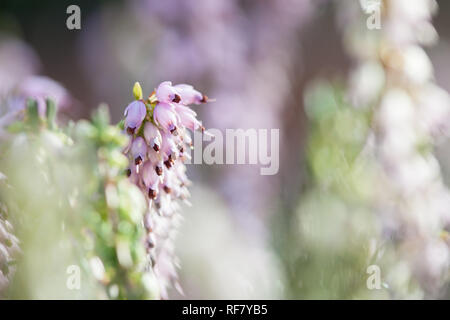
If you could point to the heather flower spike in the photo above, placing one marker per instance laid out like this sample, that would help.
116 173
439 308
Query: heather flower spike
157 154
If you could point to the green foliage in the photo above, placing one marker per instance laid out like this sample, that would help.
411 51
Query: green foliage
72 204
337 138
329 236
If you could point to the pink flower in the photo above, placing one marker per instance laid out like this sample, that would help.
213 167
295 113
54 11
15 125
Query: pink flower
138 150
132 174
168 182
165 116
169 150
167 93
188 117
152 136
151 179
135 113
156 159
189 95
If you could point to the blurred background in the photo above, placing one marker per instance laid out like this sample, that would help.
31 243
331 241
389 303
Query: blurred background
283 64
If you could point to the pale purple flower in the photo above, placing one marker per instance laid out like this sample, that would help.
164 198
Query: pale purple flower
188 117
168 180
133 174
187 138
135 114
189 95
157 161
165 116
169 150
167 93
138 150
150 178
152 136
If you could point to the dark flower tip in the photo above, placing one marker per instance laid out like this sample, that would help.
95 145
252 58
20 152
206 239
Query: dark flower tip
130 130
158 170
168 164
138 160
204 99
128 172
156 147
150 243
174 131
152 194
167 189
176 99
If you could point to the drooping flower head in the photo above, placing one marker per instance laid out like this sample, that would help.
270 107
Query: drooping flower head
158 127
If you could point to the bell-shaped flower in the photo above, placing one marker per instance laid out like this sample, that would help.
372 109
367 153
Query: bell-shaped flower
167 93
152 136
165 116
168 182
132 174
138 150
135 114
157 161
188 118
189 95
169 150
151 179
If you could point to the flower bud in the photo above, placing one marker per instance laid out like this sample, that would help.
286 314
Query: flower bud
137 91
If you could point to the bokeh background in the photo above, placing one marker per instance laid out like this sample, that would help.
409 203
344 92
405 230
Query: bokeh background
268 64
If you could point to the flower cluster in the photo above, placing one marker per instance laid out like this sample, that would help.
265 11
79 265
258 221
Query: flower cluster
159 141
